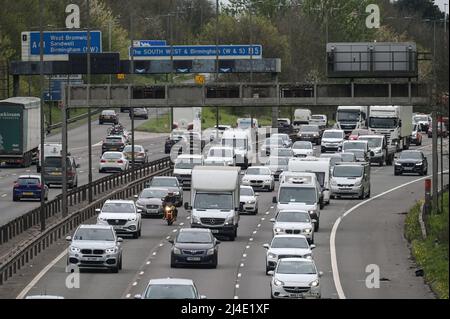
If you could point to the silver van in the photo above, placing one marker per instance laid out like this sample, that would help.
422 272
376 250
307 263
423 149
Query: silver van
351 179
53 171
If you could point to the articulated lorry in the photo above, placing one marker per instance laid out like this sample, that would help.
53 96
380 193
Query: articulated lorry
20 131
349 118
394 122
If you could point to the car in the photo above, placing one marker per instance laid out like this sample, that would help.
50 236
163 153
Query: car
218 154
303 149
277 165
140 154
295 278
114 143
319 119
194 246
29 187
287 246
281 152
108 116
286 139
248 200
411 162
175 137
332 140
53 171
348 157
139 112
294 222
170 288
423 122
223 127
416 137
309 133
334 158
183 168
441 131
360 148
95 246
113 162
355 134
123 215
273 143
171 184
285 126
259 177
351 179
150 201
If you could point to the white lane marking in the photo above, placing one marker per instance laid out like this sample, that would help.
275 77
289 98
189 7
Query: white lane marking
251 239
263 219
267 213
236 297
168 237
154 254
244 255
141 273
239 275
160 245
259 225
254 232
4 195
129 295
39 276
237 286
247 247
148 262
135 283
334 265
174 231
181 224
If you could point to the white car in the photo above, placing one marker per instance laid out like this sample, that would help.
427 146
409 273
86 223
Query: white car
303 149
248 200
259 177
284 137
287 246
319 119
123 215
332 140
295 222
218 155
113 161
295 278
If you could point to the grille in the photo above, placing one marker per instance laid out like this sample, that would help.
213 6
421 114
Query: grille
289 256
99 251
296 290
152 206
212 221
86 251
342 185
92 252
293 231
256 182
91 262
193 252
408 164
117 222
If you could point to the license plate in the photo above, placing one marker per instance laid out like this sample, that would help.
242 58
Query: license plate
56 174
28 194
111 161
296 295
193 258
408 168
118 227
214 231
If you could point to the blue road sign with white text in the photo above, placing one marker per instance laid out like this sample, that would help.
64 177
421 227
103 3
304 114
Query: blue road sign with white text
65 42
149 43
193 52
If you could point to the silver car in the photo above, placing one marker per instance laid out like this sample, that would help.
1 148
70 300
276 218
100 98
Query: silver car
170 288
171 184
150 201
295 222
248 200
95 246
140 112
259 177
295 278
287 246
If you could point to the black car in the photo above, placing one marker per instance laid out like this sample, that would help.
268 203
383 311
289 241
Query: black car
173 139
285 127
108 116
411 162
114 143
311 133
194 247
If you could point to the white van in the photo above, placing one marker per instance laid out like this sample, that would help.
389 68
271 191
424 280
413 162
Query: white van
50 149
183 168
220 155
322 169
301 117
240 141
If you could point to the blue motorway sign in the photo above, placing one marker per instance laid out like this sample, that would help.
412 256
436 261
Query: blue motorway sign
65 42
149 43
194 52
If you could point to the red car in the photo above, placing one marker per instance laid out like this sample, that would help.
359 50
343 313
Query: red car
355 134
442 130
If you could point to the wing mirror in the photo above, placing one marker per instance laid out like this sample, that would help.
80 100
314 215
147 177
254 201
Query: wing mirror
120 240
312 246
136 196
139 211
68 238
98 210
266 246
271 273
320 274
272 220
171 241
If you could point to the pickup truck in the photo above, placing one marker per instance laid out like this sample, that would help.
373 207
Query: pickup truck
382 151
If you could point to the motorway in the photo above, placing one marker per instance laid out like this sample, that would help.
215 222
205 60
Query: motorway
77 140
353 235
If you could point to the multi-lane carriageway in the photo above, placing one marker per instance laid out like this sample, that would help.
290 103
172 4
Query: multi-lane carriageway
353 235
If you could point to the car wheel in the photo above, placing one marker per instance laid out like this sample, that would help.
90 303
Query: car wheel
368 194
312 240
396 173
267 270
16 199
115 270
120 263
382 161
363 194
256 212
136 235
316 226
214 265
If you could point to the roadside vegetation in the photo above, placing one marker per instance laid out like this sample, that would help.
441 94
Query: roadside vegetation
431 254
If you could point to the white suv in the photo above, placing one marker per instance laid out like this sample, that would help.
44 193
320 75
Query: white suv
122 215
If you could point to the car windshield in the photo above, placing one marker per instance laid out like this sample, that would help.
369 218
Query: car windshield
354 146
309 128
112 155
380 122
348 157
274 141
296 267
165 182
290 242
358 153
213 201
137 148
339 135
293 217
306 195
28 181
113 140
303 146
411 155
235 143
245 123
282 152
372 141
94 234
108 113
247 192
333 159
350 116
220 152
258 171
278 161
421 118
348 171
126 208
187 163
153 193
194 238
317 117
55 162
170 292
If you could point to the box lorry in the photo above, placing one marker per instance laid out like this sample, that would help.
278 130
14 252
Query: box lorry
215 205
394 122
20 131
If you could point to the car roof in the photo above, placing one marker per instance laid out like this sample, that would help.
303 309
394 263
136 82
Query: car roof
245 186
85 226
120 201
195 230
297 259
289 236
412 151
172 281
155 189
259 167
164 177
114 136
333 131
29 176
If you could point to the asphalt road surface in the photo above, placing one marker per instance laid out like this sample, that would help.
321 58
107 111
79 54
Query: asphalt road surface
371 234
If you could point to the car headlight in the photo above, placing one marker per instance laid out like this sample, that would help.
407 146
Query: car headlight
74 249
278 283
311 212
419 164
333 182
268 181
279 230
398 164
176 193
358 183
378 151
307 256
229 220
244 180
111 250
176 251
210 252
272 256
315 283
307 230
101 219
251 202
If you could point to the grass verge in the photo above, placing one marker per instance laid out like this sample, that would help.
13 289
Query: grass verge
431 254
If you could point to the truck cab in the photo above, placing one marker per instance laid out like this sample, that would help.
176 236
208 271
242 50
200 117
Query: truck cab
241 142
215 205
349 118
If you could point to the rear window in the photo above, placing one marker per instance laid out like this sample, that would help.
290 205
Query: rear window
113 140
28 181
55 162
108 113
112 155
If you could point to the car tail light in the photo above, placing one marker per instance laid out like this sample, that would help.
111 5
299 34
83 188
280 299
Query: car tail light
103 161
120 161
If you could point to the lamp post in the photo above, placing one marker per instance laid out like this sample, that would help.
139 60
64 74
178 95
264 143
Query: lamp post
41 80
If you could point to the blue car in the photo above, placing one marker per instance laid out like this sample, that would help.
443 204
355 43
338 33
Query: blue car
29 187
